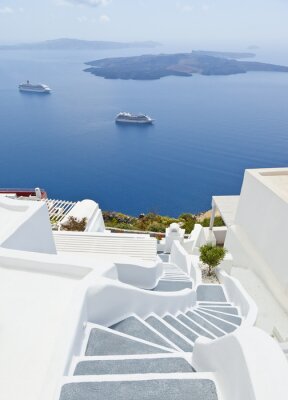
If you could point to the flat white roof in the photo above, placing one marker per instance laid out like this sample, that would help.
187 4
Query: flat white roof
276 179
227 206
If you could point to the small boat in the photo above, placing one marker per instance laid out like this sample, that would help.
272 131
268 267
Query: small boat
38 88
128 118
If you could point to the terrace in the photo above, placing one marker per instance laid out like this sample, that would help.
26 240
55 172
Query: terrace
95 314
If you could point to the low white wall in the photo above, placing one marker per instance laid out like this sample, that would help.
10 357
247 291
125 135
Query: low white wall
180 257
118 301
188 263
249 365
238 295
139 274
195 272
96 223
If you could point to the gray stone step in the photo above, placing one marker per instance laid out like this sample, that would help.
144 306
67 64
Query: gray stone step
210 293
134 327
172 286
172 277
227 310
225 326
207 303
160 389
175 278
204 323
103 342
181 328
169 333
164 257
196 328
230 318
133 366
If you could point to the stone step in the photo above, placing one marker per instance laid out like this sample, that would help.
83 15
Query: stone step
172 286
133 366
226 317
214 303
170 333
166 387
224 309
204 323
227 327
199 330
210 293
174 276
183 329
104 341
136 327
175 279
164 257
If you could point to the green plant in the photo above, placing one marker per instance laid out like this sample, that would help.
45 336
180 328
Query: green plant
218 221
212 256
74 224
155 227
189 220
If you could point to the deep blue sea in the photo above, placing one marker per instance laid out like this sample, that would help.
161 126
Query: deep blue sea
207 131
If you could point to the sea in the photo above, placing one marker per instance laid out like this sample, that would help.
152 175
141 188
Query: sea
207 131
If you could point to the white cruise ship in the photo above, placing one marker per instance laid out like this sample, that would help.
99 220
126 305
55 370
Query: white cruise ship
125 117
38 88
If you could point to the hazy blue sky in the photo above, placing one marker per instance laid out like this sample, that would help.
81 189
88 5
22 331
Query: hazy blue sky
198 21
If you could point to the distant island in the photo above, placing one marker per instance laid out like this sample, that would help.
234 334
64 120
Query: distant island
148 67
77 44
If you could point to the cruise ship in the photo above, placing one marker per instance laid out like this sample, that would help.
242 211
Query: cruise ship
38 88
125 117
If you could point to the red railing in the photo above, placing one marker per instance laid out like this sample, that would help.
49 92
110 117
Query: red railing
23 192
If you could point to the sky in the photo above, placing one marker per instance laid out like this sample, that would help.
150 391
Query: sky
250 22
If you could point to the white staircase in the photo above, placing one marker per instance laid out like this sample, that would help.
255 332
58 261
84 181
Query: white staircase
151 357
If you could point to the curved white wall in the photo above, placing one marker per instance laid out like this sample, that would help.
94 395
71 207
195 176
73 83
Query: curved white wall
239 297
249 365
139 274
87 209
119 301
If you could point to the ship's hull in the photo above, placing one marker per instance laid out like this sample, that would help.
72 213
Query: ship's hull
31 90
125 121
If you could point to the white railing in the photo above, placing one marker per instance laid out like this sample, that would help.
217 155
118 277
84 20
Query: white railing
188 263
238 295
58 209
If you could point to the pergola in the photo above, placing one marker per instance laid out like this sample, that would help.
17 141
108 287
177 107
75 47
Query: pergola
227 207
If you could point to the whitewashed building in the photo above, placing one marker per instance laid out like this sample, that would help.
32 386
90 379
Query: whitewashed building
96 315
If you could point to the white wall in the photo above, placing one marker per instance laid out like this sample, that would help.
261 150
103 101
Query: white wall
249 365
220 234
239 297
87 209
144 275
258 240
119 301
29 227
